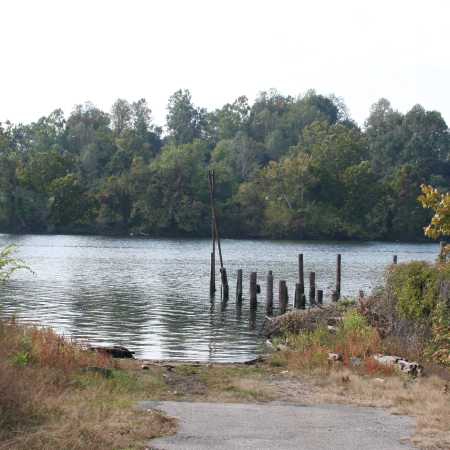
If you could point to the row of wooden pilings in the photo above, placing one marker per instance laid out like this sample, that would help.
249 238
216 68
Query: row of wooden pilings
315 296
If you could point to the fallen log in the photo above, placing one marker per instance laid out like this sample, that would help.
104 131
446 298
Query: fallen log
116 351
251 362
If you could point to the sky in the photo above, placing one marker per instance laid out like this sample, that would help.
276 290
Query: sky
56 54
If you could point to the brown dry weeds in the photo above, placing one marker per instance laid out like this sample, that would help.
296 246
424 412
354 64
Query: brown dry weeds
63 405
50 398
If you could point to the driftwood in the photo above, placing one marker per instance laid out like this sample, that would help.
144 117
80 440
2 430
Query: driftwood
300 321
115 351
257 360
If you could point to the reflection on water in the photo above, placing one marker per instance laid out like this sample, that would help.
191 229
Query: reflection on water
152 295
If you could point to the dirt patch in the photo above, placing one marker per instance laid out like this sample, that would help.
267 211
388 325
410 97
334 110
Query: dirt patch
292 389
187 385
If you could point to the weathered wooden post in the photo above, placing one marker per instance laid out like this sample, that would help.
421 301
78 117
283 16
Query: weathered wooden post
223 272
252 288
394 259
269 294
252 317
441 250
303 301
238 312
239 286
298 296
319 296
282 292
212 282
300 273
223 305
226 290
443 245
338 276
312 287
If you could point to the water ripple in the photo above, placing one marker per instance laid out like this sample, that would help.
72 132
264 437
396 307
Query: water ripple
152 295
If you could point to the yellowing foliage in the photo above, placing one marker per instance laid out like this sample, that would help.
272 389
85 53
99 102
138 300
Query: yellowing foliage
440 223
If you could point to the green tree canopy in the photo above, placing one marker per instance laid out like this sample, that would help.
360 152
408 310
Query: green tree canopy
43 168
185 122
69 205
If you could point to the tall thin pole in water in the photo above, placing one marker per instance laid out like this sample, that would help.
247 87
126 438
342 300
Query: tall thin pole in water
222 271
300 273
338 276
212 283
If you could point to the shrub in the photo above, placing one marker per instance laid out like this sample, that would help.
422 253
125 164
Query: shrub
353 320
414 308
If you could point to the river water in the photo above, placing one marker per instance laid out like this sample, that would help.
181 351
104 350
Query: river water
152 295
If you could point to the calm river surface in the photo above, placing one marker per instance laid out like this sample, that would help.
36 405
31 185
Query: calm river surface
152 295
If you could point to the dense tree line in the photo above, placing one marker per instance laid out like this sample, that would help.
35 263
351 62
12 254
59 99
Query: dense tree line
285 167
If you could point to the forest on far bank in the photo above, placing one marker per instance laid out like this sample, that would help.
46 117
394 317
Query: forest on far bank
285 167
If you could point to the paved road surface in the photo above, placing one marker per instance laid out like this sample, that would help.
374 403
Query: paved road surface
281 426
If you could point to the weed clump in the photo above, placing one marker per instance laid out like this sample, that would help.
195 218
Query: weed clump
352 339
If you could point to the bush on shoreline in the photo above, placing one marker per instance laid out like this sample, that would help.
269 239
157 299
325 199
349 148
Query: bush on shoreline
414 308
408 318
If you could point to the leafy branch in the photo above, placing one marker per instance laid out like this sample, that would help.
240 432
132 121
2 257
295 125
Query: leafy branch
9 264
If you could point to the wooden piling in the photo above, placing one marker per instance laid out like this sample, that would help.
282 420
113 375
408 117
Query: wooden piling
319 296
297 295
238 312
252 318
226 291
212 282
338 275
282 296
252 288
223 272
312 287
299 298
269 294
394 259
303 301
300 273
239 286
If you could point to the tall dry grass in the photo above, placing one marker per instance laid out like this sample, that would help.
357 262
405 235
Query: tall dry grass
51 399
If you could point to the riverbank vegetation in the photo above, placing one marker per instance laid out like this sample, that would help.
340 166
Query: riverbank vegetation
56 394
408 317
285 167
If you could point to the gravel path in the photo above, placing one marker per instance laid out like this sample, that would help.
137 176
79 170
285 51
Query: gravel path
281 426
